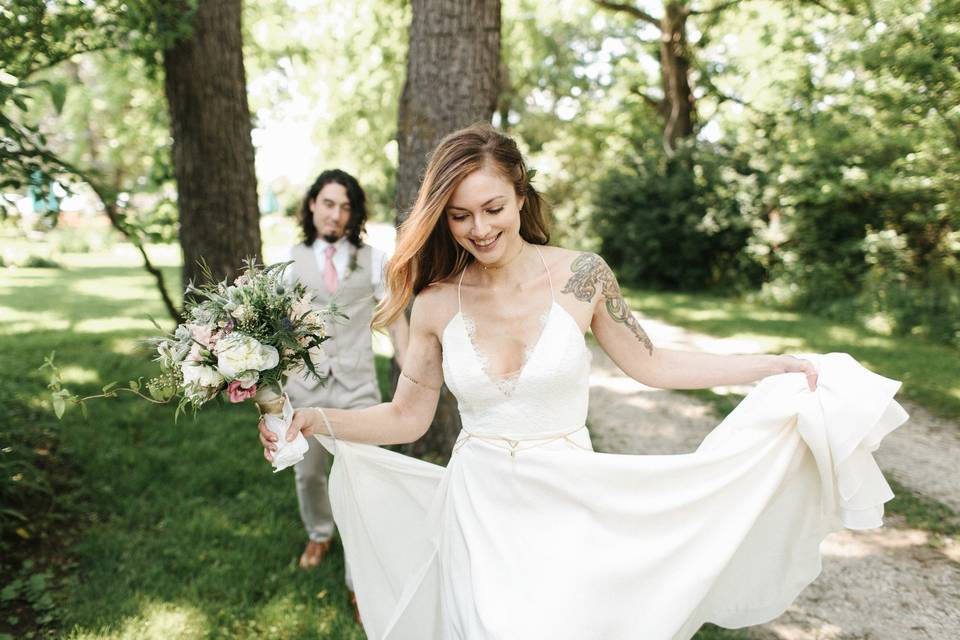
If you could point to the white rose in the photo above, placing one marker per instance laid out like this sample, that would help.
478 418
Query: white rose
200 376
248 379
301 307
237 354
242 312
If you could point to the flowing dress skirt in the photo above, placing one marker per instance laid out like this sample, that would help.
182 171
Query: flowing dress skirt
558 542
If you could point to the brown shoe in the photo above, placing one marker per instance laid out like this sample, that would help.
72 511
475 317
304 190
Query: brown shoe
356 609
314 553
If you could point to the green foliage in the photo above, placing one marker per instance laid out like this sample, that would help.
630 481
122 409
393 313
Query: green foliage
333 72
39 262
859 138
38 37
670 224
28 594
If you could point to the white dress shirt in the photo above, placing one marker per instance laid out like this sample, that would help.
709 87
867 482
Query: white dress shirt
341 260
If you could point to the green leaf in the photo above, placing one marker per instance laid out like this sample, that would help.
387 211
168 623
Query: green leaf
59 406
83 410
109 386
58 95
134 385
11 591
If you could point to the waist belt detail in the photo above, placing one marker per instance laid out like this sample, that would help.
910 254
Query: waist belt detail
513 444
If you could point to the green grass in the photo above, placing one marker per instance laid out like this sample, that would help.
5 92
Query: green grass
924 513
930 372
138 527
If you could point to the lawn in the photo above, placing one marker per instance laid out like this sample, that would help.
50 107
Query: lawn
137 527
930 372
128 525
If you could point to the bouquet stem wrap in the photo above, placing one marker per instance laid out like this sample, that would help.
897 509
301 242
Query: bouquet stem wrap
277 412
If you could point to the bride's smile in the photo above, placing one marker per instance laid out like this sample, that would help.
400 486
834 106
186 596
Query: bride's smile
484 217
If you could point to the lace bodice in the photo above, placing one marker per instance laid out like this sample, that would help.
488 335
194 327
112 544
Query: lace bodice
547 395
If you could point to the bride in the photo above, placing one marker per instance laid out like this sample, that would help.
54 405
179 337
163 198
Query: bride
528 533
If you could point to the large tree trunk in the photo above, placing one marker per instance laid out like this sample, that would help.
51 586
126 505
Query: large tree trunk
453 80
212 150
453 77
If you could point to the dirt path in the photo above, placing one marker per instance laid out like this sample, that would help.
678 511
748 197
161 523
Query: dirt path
888 584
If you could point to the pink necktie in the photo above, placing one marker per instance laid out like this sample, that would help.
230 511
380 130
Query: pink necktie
330 271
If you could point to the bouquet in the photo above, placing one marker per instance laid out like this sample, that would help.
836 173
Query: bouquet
238 340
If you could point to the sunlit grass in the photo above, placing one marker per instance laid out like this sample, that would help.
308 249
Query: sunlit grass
930 372
73 374
178 530
157 621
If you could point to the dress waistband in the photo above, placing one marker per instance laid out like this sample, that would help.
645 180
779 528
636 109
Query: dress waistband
514 443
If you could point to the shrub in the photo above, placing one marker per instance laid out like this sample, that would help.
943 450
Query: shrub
672 224
39 262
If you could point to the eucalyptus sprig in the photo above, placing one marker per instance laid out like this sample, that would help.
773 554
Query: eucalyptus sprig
61 396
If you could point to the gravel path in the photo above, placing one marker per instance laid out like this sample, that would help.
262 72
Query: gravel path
894 583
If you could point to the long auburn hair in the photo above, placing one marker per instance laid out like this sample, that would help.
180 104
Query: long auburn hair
426 251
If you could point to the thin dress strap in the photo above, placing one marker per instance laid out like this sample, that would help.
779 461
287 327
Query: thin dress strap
459 299
549 278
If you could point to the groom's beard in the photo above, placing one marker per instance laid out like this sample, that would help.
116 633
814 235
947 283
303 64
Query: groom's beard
330 238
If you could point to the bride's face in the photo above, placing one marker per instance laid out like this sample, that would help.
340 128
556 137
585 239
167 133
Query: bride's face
483 215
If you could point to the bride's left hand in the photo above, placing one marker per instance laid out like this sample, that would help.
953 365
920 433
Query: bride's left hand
302 421
799 365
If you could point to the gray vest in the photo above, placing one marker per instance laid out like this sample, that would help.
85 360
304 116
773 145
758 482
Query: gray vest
349 351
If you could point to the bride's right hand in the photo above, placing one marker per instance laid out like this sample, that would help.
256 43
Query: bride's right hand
302 422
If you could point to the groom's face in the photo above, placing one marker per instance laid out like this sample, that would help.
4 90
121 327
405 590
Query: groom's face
331 211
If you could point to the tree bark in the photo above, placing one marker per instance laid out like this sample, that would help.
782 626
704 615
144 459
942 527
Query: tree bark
212 150
453 80
675 69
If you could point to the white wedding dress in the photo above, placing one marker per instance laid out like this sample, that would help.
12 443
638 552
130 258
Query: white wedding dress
528 534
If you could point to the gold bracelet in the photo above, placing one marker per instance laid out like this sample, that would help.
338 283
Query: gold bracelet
420 384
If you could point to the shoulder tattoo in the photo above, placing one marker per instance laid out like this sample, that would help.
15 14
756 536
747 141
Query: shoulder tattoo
590 274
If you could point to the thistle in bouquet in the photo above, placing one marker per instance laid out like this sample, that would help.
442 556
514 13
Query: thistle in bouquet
238 341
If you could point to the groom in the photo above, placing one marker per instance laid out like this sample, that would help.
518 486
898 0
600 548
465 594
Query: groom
336 265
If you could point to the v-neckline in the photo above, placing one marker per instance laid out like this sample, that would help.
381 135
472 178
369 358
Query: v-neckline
507 384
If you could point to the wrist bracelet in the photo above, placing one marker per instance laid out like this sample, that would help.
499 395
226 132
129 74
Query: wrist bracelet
326 421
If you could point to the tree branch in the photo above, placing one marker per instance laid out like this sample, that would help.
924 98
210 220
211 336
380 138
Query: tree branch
636 12
825 6
717 9
54 61
650 100
106 197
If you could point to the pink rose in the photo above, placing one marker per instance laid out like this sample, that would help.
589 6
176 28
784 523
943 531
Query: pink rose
201 334
236 393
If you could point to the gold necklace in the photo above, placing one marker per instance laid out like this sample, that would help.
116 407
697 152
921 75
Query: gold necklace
508 262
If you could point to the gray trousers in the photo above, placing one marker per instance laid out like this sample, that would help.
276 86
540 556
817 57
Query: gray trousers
311 472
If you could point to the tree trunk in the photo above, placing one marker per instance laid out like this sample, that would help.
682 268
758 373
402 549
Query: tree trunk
675 69
453 79
678 106
453 76
212 149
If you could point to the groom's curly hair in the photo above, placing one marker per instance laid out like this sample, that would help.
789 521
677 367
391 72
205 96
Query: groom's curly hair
356 226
